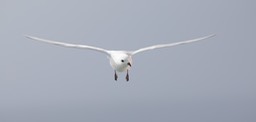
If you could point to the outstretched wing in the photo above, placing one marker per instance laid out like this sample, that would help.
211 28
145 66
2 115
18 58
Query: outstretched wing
170 44
70 45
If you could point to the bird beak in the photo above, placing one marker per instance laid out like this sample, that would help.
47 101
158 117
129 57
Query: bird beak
129 64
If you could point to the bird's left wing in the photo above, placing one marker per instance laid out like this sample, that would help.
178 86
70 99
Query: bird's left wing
170 44
70 45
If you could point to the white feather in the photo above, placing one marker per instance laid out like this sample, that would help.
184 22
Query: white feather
70 45
169 45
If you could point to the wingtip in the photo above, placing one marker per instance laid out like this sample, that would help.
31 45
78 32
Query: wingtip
212 35
209 36
31 37
27 36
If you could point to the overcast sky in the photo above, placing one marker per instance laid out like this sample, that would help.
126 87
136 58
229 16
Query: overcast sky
209 81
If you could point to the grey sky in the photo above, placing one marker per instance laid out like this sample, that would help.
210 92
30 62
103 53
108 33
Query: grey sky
208 81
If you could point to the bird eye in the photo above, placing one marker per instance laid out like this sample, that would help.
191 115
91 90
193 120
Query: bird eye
122 60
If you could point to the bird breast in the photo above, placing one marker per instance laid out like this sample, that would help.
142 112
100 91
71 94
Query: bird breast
118 66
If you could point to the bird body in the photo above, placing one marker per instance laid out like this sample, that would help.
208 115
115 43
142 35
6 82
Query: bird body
120 61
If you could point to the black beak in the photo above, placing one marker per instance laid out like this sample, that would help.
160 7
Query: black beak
129 64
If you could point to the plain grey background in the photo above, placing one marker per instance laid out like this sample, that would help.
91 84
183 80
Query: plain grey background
209 81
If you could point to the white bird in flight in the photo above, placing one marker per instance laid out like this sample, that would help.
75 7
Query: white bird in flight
119 60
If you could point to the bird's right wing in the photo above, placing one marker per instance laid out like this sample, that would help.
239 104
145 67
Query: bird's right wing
169 45
70 45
